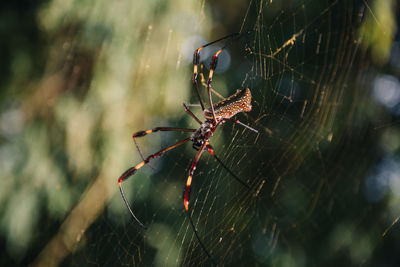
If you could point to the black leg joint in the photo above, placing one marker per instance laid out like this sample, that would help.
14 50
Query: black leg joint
140 134
196 57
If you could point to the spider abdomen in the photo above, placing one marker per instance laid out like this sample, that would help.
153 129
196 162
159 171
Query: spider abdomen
229 107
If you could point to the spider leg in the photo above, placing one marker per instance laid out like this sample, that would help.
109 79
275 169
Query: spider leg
196 61
211 151
192 105
186 198
244 125
213 66
132 170
210 77
191 113
189 179
161 129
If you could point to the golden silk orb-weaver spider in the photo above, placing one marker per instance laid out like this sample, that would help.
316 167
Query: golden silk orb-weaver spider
214 116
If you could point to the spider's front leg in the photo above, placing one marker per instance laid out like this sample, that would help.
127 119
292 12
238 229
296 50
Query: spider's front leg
210 77
196 62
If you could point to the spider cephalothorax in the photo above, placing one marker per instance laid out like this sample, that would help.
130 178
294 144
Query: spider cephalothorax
202 134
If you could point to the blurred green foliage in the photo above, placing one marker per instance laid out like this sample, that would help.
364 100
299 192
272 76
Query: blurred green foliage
379 28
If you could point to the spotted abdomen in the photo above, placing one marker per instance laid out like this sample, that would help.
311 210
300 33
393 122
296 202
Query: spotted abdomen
229 107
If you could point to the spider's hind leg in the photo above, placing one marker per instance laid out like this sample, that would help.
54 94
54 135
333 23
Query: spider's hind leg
186 198
211 151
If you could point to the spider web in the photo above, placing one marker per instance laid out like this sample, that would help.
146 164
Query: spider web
114 69
297 62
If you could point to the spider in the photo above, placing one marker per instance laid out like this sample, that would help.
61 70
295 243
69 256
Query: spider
214 116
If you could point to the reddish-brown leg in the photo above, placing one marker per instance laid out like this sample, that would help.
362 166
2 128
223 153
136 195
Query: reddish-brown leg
191 113
131 171
186 198
196 62
161 129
